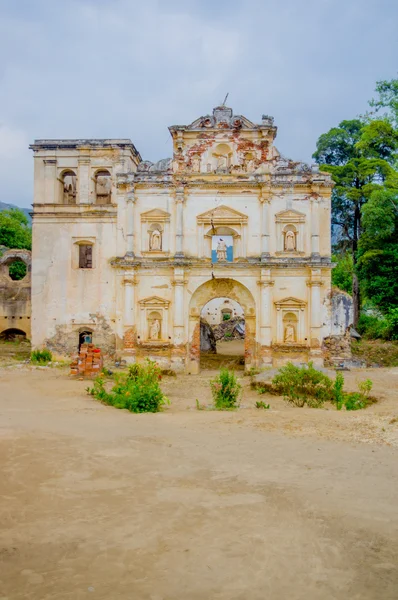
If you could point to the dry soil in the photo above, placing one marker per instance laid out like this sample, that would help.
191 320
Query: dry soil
195 505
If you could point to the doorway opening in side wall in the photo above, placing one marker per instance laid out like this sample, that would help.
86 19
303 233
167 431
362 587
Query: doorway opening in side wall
85 337
222 334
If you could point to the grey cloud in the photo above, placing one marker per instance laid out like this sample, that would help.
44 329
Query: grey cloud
129 69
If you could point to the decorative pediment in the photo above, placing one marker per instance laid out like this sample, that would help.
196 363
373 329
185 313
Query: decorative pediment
290 216
222 215
155 215
154 302
290 303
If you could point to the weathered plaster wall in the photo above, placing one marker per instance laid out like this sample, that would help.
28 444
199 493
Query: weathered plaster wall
15 296
225 176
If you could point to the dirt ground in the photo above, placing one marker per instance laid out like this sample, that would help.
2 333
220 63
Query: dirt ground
275 504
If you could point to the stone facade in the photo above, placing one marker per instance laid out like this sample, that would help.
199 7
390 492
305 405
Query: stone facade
123 247
15 296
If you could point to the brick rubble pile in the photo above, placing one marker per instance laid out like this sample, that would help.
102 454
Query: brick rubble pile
89 362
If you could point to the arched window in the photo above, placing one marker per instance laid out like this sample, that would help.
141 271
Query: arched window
68 187
103 187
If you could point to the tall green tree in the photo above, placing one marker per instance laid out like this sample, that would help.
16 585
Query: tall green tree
358 155
15 231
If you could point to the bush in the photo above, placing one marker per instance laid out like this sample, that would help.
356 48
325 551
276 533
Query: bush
226 390
41 356
338 391
303 385
374 327
138 391
226 317
261 404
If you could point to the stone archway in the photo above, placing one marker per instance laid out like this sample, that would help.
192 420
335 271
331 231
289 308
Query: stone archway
216 288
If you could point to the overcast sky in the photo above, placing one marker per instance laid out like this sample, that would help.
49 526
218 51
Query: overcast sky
129 68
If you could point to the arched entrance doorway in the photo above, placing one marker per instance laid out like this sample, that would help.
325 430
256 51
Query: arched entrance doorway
222 334
221 288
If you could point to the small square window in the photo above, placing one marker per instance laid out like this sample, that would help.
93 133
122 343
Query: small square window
85 256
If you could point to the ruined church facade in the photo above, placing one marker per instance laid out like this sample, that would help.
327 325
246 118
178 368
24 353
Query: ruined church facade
123 249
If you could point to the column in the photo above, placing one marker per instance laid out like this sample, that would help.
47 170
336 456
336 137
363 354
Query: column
315 228
315 315
265 204
83 194
178 313
129 316
50 181
130 200
265 307
179 222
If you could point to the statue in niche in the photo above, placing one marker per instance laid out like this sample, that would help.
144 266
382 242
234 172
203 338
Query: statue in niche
289 334
103 188
222 162
154 330
221 250
290 241
156 240
196 164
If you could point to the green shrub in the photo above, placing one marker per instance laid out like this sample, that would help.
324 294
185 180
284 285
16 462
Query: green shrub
138 391
228 334
226 390
40 357
374 327
261 404
354 401
303 385
338 391
226 317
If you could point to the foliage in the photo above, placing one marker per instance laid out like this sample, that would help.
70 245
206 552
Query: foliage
374 327
338 391
261 404
15 231
226 317
226 390
17 269
376 352
41 356
139 391
361 155
343 271
303 385
228 334
387 99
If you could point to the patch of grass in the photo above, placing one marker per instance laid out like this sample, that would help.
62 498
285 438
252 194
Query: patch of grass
41 357
226 390
376 352
261 404
138 391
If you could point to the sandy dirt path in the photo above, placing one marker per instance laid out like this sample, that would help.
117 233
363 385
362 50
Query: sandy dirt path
190 505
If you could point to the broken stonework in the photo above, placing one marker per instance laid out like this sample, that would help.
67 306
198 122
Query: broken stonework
65 342
207 338
342 311
231 329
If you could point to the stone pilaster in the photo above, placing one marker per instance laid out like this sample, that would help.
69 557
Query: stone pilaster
179 200
130 201
50 181
265 199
